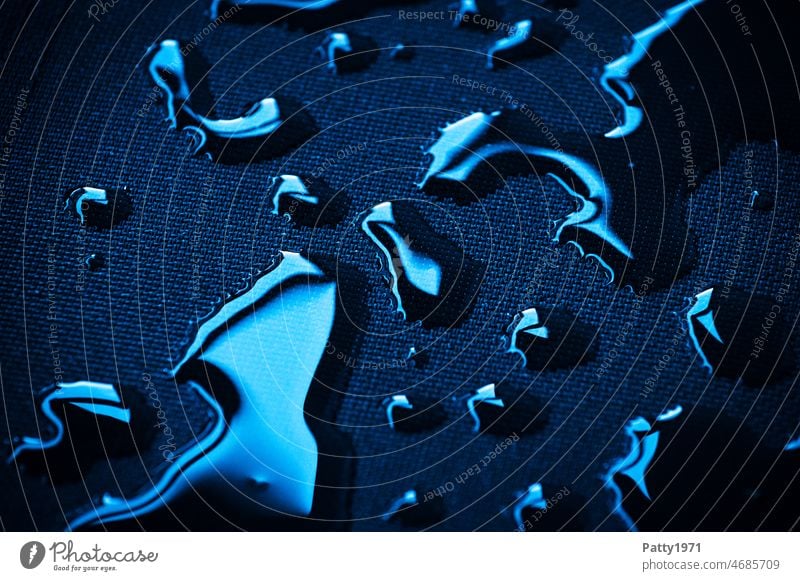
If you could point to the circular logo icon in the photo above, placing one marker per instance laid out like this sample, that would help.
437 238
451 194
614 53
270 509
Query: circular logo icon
31 554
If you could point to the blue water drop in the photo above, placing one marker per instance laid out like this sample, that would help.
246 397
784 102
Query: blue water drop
308 14
700 470
546 508
101 399
521 42
94 261
253 363
614 79
432 279
401 52
267 128
406 413
762 202
413 509
82 423
99 207
549 339
418 358
221 7
533 498
347 52
482 398
304 201
478 14
499 410
478 141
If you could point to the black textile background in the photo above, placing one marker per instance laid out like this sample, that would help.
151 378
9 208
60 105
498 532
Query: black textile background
80 126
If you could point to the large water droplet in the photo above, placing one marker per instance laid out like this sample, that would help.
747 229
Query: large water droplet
266 128
308 14
480 147
432 279
615 74
253 363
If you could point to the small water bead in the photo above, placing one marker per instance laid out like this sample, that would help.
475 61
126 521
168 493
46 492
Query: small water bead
95 261
99 207
345 52
304 201
548 339
501 410
415 510
401 52
418 359
412 413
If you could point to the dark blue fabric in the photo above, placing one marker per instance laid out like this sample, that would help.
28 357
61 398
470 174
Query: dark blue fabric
199 229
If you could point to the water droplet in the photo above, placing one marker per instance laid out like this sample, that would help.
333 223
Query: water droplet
521 42
698 470
412 413
615 79
762 202
412 509
347 52
253 363
469 152
432 279
95 261
498 410
739 334
99 207
549 339
267 128
418 359
476 14
401 52
308 14
89 421
304 201
546 508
